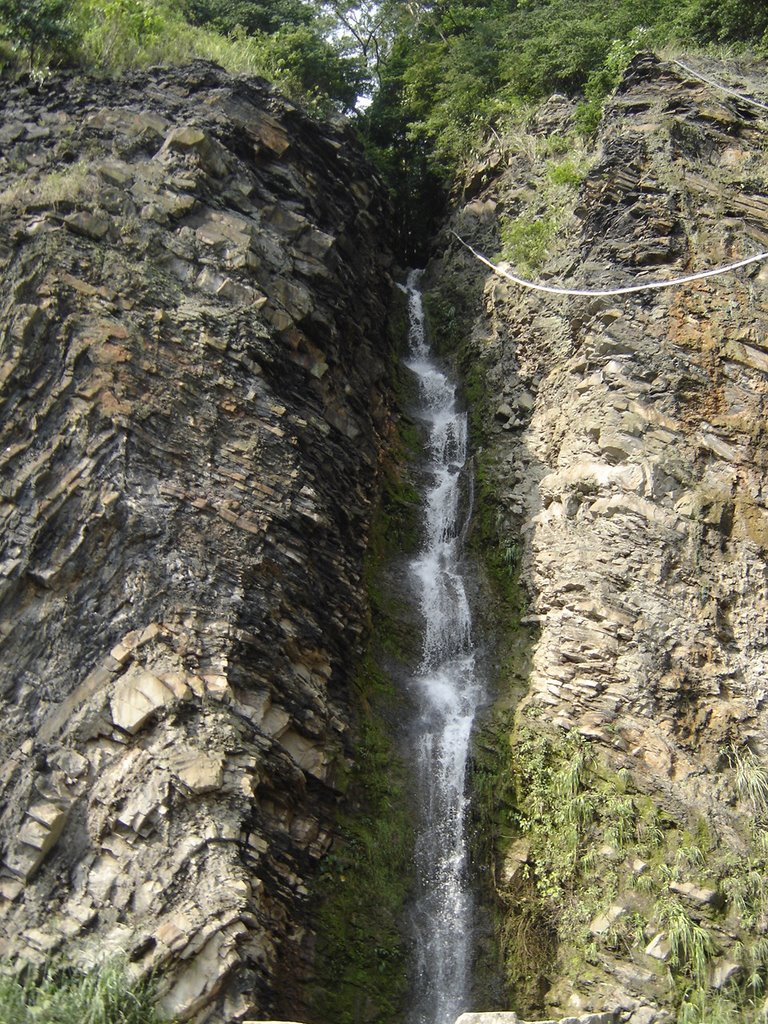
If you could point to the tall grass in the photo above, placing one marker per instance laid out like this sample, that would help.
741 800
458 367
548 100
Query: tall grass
692 946
118 34
111 36
60 995
751 779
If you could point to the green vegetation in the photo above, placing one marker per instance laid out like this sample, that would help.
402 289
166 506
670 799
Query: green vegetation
449 309
528 238
36 26
365 880
691 944
61 995
364 884
287 42
563 832
73 182
583 867
461 71
574 840
751 780
444 75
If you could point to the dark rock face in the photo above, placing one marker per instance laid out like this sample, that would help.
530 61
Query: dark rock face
194 393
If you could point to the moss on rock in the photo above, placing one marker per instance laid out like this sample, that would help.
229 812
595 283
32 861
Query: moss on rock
365 881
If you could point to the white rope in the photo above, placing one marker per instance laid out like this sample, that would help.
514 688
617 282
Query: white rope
717 85
600 292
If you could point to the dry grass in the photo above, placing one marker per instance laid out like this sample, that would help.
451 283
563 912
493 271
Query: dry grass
70 184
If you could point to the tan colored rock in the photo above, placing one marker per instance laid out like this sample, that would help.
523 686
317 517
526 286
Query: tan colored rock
601 924
515 862
697 894
200 772
192 140
89 225
659 947
116 173
724 972
137 695
315 243
39 833
309 756
10 888
271 133
175 932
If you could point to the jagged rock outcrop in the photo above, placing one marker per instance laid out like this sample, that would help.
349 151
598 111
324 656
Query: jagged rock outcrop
194 368
624 439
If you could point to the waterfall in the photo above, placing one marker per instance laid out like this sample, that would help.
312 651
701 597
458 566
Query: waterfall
446 692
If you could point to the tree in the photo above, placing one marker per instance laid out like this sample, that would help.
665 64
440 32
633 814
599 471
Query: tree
304 63
725 21
251 15
37 26
364 28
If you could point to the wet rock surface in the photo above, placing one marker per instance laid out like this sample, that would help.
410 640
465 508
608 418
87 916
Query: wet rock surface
625 442
193 361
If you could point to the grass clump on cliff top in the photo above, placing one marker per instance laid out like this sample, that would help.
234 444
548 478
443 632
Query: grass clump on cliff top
61 995
284 41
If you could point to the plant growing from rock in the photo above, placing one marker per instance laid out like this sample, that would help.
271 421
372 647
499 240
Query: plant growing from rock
751 779
692 946
531 236
68 185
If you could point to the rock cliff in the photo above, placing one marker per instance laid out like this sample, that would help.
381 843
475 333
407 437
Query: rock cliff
194 366
622 452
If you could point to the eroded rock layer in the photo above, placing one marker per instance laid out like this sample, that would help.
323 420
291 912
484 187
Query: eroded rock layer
194 394
624 441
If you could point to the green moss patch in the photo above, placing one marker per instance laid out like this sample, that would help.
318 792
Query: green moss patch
366 880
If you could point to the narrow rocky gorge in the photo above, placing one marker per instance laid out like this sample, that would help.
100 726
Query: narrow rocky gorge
196 356
198 330
622 452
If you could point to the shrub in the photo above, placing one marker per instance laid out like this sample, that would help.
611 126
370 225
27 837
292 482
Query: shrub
692 947
525 241
567 173
724 21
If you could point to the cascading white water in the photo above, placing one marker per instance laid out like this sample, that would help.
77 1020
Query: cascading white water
447 693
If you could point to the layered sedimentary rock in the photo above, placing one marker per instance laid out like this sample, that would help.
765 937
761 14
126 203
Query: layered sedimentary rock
625 441
194 360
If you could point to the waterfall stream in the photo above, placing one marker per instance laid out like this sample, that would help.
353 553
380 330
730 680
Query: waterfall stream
446 691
